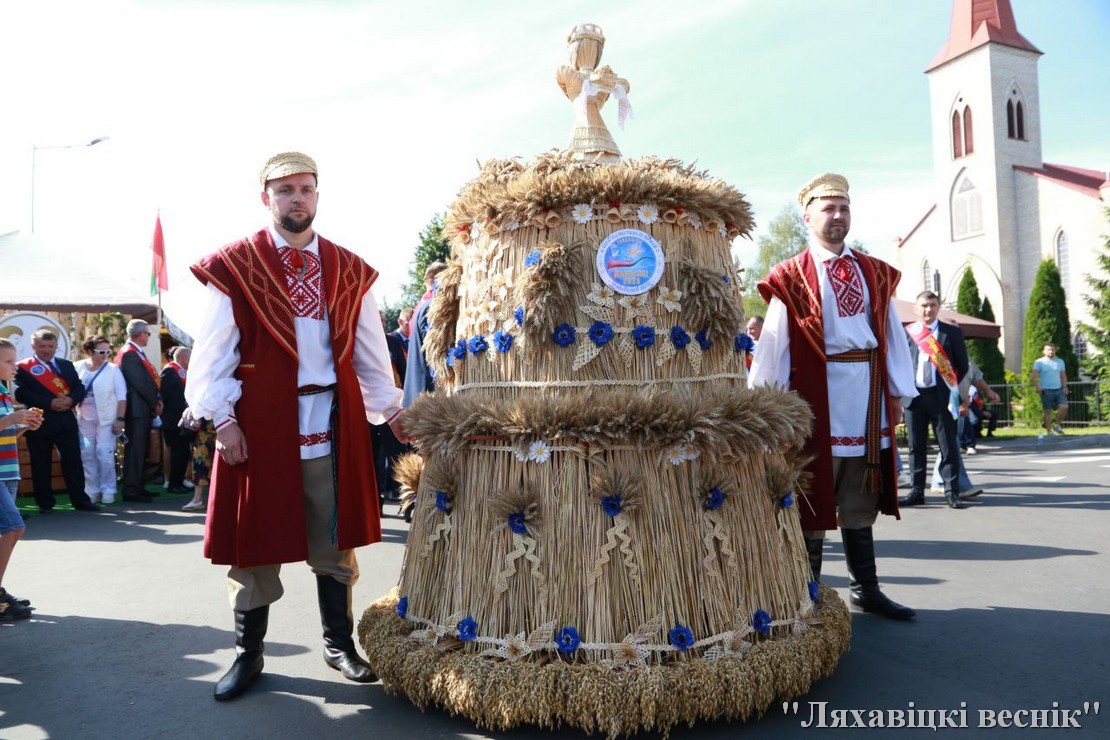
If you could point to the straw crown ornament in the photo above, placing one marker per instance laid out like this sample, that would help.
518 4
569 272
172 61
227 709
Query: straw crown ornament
286 164
616 492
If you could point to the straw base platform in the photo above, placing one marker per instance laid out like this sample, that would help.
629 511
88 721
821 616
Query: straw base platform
547 691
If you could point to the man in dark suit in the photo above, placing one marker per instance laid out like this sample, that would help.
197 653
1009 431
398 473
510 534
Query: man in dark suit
398 343
179 440
931 406
51 384
143 403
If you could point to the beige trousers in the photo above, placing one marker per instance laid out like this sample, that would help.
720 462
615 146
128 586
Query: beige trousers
250 588
855 509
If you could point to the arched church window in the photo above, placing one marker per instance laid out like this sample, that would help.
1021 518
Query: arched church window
957 137
1079 346
1063 262
1015 116
969 140
926 276
967 209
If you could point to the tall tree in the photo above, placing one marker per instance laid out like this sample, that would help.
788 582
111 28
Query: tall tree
993 362
983 352
1046 321
1097 333
433 247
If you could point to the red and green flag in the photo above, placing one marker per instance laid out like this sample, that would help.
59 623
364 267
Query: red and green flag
159 278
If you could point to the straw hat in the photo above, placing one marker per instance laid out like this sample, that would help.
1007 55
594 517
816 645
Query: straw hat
827 185
285 164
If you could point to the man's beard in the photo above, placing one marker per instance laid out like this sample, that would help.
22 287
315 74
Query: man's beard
835 233
296 226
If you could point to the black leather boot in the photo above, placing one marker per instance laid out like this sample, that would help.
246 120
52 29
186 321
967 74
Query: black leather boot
913 498
250 630
814 548
339 646
859 551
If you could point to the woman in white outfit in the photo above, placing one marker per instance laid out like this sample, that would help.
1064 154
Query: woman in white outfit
100 418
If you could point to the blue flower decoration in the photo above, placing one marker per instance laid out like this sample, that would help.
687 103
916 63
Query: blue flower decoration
468 629
715 499
679 337
478 345
403 607
443 502
564 335
787 501
612 505
450 358
532 259
459 350
502 341
516 523
681 637
726 279
567 640
744 343
601 333
813 591
644 336
703 340
518 316
761 622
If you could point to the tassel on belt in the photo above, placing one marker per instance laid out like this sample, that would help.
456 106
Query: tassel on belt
872 436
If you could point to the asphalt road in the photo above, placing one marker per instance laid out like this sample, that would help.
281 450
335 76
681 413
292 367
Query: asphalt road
1013 601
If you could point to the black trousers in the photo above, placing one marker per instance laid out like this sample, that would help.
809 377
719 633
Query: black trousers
137 429
931 409
180 442
40 446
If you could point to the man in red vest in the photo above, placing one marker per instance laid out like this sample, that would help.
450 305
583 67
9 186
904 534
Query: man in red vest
832 335
290 364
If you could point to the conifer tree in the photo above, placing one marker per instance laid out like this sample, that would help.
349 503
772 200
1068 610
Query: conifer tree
1046 321
433 247
993 363
983 352
1097 333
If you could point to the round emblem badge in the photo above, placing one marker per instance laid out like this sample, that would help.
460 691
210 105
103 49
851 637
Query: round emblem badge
630 261
37 370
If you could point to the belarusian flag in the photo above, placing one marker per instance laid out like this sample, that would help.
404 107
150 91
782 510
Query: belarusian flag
159 279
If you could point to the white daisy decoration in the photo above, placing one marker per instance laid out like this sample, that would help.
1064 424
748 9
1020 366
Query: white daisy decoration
669 298
582 213
521 455
647 214
539 452
694 221
676 455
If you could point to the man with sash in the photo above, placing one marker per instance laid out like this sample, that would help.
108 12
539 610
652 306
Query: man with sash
178 439
51 384
940 362
832 335
290 364
144 402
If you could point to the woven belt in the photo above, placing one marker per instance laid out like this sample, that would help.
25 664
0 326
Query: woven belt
873 442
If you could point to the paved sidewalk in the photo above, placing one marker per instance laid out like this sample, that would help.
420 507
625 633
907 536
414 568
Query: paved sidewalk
133 625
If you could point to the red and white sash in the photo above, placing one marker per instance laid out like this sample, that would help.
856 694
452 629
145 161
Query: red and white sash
129 347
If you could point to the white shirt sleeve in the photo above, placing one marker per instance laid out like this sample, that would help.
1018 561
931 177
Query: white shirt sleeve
118 382
771 363
380 395
212 389
899 366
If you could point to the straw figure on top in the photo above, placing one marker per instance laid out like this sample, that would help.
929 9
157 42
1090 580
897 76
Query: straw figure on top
605 531
588 87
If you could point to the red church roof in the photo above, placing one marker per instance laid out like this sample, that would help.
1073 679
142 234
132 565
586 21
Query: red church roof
1088 182
979 22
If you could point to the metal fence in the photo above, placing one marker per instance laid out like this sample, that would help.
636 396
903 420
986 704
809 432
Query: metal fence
1088 403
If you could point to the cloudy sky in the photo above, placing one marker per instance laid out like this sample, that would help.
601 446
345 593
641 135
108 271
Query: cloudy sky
398 101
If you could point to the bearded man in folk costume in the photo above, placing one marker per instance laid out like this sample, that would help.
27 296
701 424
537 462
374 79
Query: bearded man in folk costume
831 329
292 358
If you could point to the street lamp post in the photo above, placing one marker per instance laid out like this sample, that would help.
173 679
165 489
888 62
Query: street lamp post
34 156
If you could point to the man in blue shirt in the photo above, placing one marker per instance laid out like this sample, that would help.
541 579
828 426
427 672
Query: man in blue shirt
1050 379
